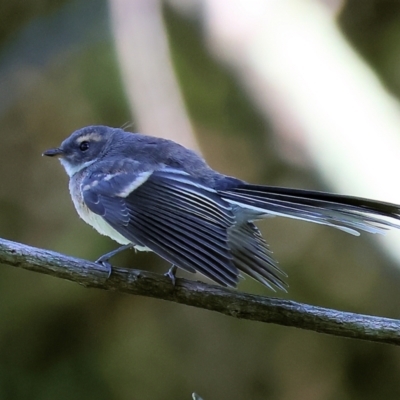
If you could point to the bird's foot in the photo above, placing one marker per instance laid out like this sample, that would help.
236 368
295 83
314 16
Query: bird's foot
106 265
103 260
171 274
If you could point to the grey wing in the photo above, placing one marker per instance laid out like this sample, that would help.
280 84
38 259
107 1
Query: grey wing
181 220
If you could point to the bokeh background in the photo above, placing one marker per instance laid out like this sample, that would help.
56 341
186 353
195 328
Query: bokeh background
300 93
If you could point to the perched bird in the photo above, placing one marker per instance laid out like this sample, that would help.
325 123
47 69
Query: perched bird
154 194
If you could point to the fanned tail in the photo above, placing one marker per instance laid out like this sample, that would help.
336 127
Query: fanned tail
347 213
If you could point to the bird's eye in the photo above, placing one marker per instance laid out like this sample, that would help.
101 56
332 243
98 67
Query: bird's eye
84 146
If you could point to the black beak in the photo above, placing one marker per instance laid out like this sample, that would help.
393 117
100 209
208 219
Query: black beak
53 152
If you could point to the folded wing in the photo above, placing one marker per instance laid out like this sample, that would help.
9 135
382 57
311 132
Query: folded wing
185 222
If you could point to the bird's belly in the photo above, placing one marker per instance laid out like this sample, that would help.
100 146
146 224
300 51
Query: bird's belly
100 224
104 228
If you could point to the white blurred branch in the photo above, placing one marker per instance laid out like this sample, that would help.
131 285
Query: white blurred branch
147 71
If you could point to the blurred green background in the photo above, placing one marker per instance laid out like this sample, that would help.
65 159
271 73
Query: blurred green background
58 72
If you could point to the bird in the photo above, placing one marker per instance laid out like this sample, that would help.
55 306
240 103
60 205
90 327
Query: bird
153 194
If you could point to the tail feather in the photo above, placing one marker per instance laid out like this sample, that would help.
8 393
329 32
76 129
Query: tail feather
347 213
252 256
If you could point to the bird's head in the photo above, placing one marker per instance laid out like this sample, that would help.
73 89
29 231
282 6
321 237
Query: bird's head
82 148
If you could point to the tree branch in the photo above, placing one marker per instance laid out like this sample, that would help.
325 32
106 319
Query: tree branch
202 295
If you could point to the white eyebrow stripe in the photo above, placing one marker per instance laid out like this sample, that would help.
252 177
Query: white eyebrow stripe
94 136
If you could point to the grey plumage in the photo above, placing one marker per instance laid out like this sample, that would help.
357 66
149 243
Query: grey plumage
162 197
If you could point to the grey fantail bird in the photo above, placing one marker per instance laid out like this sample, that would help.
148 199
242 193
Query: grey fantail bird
154 194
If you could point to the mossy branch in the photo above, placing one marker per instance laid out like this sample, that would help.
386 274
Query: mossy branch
198 294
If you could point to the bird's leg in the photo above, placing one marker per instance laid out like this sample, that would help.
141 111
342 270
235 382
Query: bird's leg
103 260
171 274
